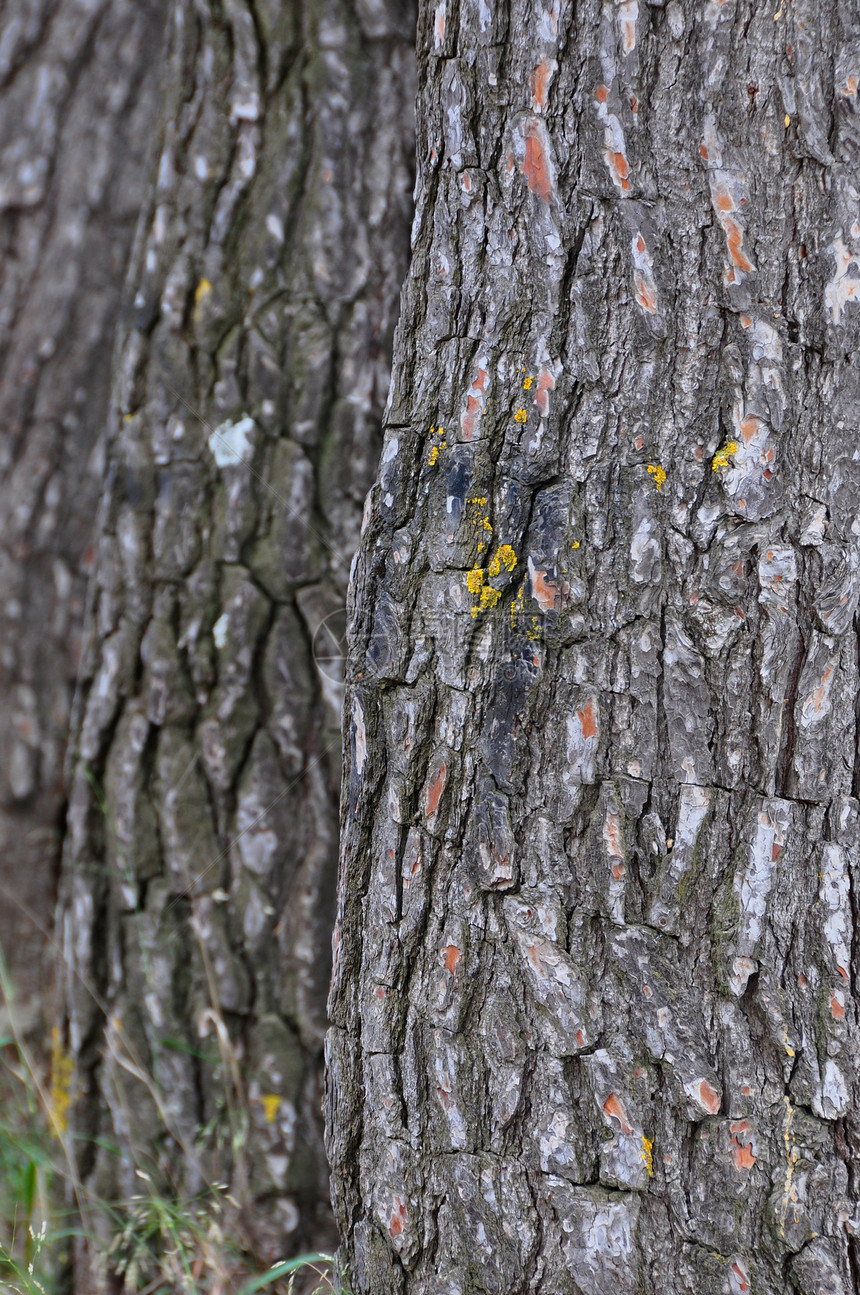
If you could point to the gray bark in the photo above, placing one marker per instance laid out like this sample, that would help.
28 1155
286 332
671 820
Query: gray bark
595 989
78 87
199 868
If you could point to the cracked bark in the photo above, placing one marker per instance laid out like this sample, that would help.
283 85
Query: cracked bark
77 101
595 987
197 890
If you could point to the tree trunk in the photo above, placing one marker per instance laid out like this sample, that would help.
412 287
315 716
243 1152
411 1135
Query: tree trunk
77 101
596 971
199 868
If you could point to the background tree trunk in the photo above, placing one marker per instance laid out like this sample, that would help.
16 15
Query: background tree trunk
596 970
78 89
199 868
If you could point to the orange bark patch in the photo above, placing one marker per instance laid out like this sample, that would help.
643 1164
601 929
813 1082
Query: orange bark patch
543 591
850 88
540 81
836 1008
775 852
708 1097
536 167
615 1111
703 153
580 1039
601 93
735 239
646 297
617 164
640 243
434 790
742 1275
742 1153
452 957
586 720
545 384
470 418
612 835
440 25
748 427
725 202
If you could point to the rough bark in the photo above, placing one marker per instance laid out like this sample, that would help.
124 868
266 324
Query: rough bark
199 869
595 989
78 89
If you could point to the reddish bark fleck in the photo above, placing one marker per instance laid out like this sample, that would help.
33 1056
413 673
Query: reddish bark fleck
836 1008
536 167
452 957
586 720
601 93
434 790
709 1097
735 238
543 592
615 1111
540 81
612 835
646 297
545 384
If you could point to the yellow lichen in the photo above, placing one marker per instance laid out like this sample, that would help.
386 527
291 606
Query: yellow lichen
527 384
475 580
505 557
721 458
489 596
203 289
517 604
271 1106
434 455
520 416
575 544
648 1155
658 474
61 1083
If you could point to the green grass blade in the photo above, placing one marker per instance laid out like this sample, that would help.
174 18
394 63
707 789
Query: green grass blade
283 1270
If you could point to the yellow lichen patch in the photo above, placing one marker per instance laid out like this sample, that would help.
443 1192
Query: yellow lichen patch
575 544
517 604
489 597
271 1106
434 455
527 384
505 557
61 1083
520 416
648 1155
475 580
721 458
202 291
533 633
486 524
658 474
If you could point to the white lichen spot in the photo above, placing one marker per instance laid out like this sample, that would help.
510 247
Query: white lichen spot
360 736
219 630
275 226
231 443
842 288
